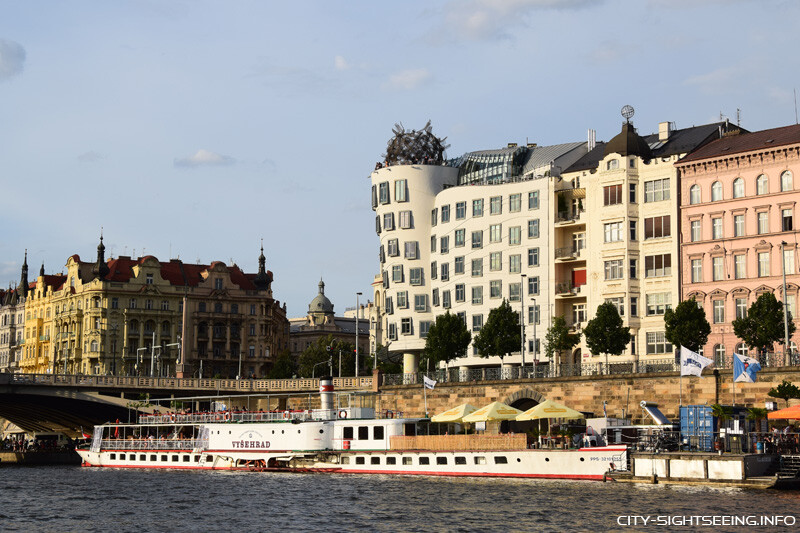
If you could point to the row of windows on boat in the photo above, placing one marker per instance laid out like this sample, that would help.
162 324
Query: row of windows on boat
348 432
175 458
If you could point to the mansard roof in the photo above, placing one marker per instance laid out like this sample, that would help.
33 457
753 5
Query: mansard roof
746 142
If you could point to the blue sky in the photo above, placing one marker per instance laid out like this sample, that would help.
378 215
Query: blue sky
195 129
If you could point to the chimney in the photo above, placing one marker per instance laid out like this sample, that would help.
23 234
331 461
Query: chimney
664 129
592 136
512 145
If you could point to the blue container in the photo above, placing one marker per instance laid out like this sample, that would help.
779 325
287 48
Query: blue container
698 427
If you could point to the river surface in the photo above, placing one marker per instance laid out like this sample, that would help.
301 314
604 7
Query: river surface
66 499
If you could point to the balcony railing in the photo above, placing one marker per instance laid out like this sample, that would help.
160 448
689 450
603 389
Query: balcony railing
567 252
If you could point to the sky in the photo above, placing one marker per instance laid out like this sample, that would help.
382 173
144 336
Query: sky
195 129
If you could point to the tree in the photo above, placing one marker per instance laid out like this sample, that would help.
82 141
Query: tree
448 338
605 332
785 391
500 334
285 366
384 363
687 325
763 325
558 338
318 352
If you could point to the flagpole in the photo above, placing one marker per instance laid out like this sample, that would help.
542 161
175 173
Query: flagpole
425 395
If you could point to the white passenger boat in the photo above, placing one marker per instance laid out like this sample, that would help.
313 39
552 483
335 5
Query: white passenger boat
348 440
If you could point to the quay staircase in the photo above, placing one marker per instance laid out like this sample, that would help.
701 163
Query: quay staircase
789 466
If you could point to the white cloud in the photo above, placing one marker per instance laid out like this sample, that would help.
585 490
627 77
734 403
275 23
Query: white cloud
12 59
715 81
204 158
408 80
341 63
479 20
90 157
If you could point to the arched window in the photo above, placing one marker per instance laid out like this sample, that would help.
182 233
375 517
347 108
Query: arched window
762 184
94 346
741 349
612 164
738 188
716 191
165 328
786 181
694 194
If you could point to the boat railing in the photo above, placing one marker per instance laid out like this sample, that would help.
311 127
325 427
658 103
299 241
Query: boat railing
225 416
150 444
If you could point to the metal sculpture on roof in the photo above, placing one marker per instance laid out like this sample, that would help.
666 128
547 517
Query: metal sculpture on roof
415 147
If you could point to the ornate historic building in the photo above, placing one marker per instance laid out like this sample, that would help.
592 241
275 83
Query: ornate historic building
130 316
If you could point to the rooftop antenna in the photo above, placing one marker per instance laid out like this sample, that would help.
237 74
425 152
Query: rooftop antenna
795 105
627 112
738 117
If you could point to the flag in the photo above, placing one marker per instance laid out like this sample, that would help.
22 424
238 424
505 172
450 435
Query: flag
429 383
605 412
744 369
692 363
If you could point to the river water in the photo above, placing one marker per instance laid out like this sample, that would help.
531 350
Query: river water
66 499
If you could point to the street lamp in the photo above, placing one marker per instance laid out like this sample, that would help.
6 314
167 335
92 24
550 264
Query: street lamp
785 306
535 320
138 359
357 295
522 321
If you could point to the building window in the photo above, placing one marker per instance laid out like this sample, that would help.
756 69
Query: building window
496 261
148 304
578 313
132 304
786 219
435 297
656 190
495 205
716 191
148 279
719 311
402 299
716 228
657 343
612 194
445 271
477 267
632 268
392 248
694 194
533 257
424 327
717 269
739 267
658 303
657 265
446 299
657 227
515 264
421 303
415 276
460 237
397 273
406 326
384 192
514 235
763 264
388 221
738 225
461 210
763 222
695 230
619 303
477 239
411 249
533 229
514 292
444 244
786 181
738 188
741 308
495 233
495 289
477 207
477 295
477 322
632 192
393 331
788 261
389 305
632 229
612 231
613 269
114 303
434 216
445 213
533 285
400 191
460 292
405 219
515 203
762 184
612 164
533 200
459 265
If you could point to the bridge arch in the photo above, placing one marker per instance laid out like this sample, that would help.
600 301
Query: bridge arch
524 399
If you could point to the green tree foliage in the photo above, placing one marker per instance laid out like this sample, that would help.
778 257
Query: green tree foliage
448 338
722 412
687 325
605 332
285 366
763 325
318 352
501 333
385 366
785 391
558 338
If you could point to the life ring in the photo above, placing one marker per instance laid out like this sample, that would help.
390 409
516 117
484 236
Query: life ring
287 415
227 417
172 418
389 414
342 413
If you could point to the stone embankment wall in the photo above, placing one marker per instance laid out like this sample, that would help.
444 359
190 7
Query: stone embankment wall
587 393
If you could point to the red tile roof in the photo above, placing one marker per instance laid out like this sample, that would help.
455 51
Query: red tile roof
745 142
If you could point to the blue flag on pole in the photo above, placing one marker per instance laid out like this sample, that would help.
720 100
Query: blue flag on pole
744 369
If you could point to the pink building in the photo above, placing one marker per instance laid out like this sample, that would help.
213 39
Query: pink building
738 203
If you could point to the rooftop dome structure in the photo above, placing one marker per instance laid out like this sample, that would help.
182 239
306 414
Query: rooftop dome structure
628 142
320 304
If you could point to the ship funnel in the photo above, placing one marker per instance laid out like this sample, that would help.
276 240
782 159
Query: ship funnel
326 392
